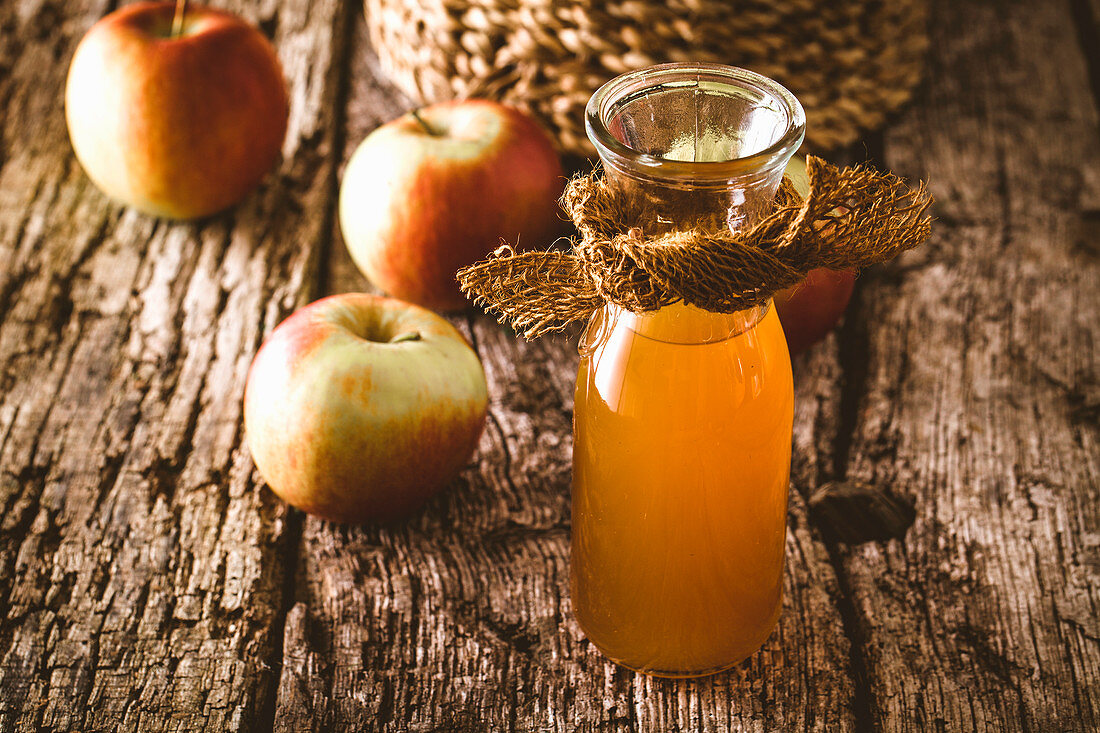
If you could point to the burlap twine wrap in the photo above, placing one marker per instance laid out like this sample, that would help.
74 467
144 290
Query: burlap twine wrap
853 217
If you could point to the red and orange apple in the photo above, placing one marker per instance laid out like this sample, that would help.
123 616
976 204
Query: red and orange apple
809 310
359 407
175 125
435 191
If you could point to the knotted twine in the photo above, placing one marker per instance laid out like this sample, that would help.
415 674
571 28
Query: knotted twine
852 217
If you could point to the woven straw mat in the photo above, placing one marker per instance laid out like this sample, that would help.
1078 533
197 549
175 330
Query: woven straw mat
850 62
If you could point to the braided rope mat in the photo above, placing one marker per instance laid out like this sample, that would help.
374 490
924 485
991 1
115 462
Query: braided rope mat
850 62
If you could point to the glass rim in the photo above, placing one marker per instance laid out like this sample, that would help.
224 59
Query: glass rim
610 148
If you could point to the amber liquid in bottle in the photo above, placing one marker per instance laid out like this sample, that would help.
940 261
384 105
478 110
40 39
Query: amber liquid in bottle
681 461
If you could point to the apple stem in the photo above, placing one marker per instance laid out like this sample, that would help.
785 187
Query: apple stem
427 128
177 19
407 336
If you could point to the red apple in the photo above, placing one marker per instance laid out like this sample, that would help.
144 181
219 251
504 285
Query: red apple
359 407
811 309
435 191
176 126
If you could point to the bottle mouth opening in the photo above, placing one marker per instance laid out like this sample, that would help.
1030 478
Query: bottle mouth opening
697 122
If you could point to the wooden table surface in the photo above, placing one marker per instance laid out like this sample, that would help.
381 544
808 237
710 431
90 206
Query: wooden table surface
149 581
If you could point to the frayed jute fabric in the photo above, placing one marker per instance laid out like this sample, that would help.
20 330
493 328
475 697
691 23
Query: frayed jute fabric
853 217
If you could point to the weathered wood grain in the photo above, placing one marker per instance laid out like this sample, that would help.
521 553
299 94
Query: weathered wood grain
980 393
148 581
141 561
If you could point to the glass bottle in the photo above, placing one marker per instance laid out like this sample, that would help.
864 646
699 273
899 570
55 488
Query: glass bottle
682 423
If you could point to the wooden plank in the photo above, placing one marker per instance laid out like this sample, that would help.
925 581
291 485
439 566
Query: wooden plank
141 561
459 618
981 391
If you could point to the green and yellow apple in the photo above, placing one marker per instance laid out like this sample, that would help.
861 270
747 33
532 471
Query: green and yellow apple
434 191
809 310
175 125
359 407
